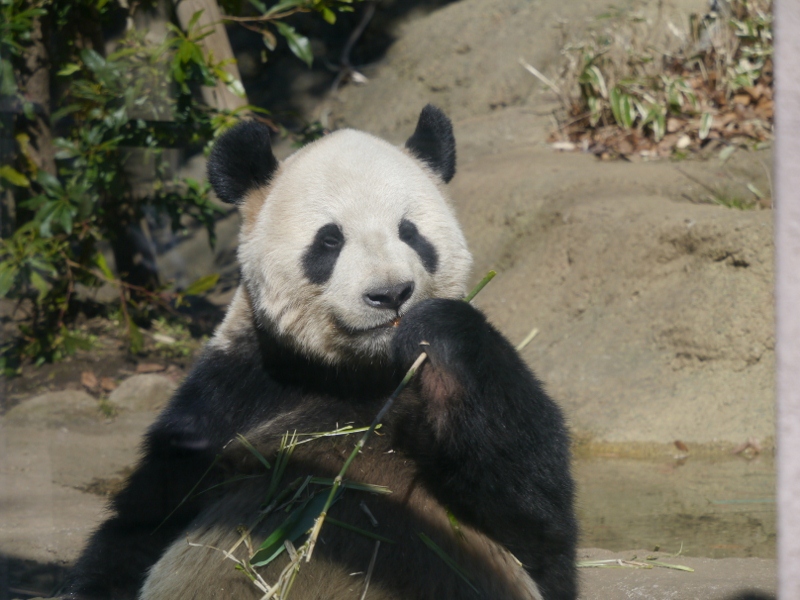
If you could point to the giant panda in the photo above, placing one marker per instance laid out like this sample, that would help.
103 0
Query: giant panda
351 257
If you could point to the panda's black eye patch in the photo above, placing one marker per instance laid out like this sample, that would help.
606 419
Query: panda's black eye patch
319 259
420 244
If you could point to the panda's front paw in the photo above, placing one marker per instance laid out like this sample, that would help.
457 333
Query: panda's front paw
450 332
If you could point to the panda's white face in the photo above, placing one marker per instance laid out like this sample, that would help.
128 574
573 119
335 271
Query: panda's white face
350 233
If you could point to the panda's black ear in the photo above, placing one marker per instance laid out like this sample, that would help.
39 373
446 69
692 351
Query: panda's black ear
241 160
433 142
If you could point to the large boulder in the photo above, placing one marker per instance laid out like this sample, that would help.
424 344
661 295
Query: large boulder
147 392
56 409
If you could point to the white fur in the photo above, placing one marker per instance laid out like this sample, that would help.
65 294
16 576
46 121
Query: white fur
366 186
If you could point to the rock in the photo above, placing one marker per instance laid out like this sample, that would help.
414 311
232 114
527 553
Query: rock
142 393
712 579
56 409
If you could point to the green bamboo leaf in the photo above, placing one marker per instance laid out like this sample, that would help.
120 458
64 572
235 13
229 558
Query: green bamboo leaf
287 446
243 440
202 285
14 177
354 485
296 524
358 530
298 44
458 569
671 566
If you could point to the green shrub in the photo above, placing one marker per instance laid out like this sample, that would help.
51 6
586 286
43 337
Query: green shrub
142 95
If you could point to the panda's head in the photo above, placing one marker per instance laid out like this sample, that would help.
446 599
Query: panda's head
347 234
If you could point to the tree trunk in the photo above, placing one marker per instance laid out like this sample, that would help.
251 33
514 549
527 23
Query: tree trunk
34 83
219 97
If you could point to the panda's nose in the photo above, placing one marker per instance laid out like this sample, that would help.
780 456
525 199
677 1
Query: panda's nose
392 297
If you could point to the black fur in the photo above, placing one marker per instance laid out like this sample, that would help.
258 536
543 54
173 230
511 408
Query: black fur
320 257
433 142
495 450
420 244
474 429
483 436
241 161
225 394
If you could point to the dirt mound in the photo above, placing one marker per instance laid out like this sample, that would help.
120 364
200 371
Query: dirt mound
655 314
464 58
654 304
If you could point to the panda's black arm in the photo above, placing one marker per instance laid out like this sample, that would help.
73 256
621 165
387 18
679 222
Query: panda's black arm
117 557
488 441
211 406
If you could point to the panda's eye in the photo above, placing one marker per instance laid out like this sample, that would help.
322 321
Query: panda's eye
329 237
332 242
320 256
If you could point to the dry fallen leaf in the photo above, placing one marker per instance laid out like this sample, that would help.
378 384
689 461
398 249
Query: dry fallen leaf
149 368
89 380
108 384
742 99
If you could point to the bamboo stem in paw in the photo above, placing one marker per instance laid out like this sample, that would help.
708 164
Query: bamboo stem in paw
337 482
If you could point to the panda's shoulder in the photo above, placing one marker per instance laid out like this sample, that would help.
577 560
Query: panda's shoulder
226 392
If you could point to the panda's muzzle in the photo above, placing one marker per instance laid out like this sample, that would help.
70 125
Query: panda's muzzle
390 297
385 326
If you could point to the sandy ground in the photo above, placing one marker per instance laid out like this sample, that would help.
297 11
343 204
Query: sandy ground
654 309
52 479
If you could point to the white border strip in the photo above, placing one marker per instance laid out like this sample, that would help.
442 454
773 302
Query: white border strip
787 291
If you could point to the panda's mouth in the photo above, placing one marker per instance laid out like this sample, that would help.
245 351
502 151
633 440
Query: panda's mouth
391 324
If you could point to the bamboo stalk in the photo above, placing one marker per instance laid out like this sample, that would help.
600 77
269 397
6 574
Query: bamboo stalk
337 482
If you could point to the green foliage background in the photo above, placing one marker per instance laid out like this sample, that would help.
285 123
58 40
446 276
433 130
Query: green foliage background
140 96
